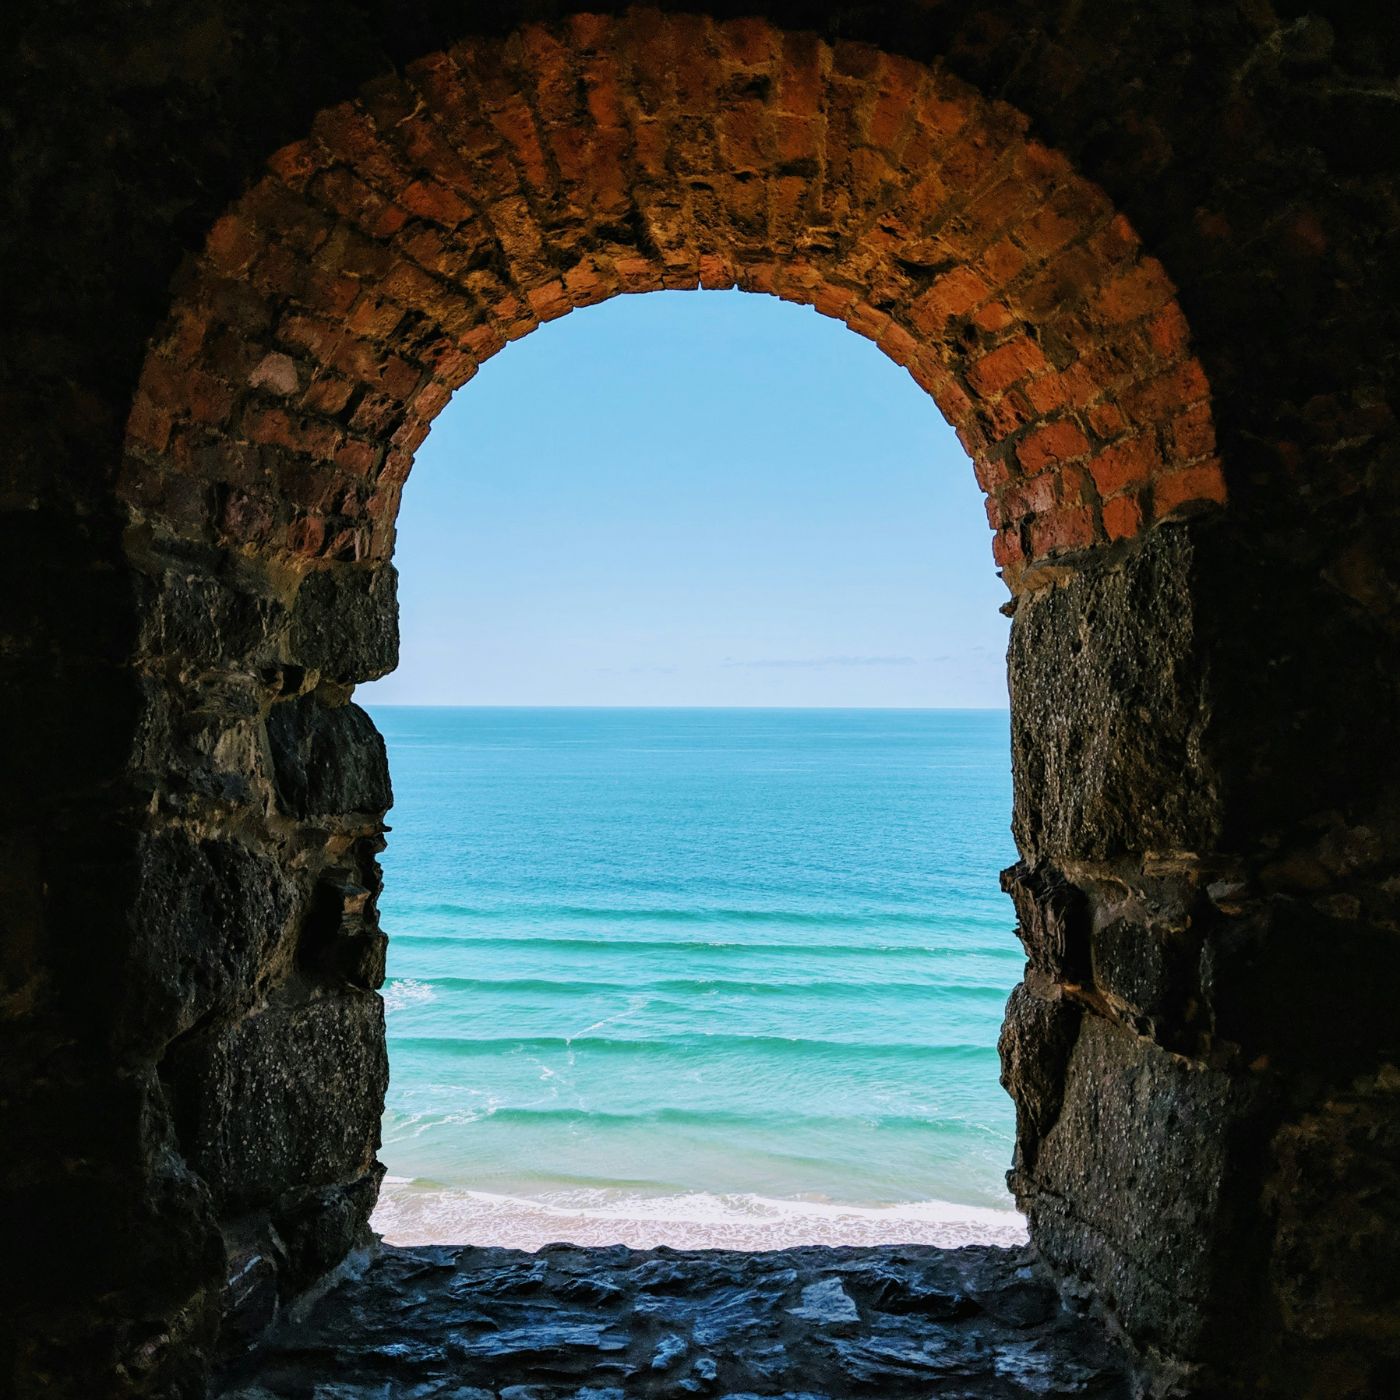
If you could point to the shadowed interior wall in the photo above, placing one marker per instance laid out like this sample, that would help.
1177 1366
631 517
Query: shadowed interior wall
242 299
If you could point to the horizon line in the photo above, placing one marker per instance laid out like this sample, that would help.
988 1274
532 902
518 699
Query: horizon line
877 709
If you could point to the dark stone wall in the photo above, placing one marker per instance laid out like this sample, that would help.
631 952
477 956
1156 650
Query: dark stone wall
1211 958
1203 1053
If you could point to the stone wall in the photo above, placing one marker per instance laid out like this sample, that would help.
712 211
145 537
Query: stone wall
1145 262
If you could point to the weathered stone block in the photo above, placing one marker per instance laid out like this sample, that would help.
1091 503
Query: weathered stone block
1132 1186
285 1101
327 761
1052 920
1108 708
1150 974
345 622
319 1229
208 915
342 936
1305 989
198 620
1037 1037
201 739
1333 1187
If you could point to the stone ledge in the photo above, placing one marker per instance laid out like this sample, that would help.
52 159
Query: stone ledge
572 1323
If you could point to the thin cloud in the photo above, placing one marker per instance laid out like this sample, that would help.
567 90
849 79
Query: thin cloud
812 663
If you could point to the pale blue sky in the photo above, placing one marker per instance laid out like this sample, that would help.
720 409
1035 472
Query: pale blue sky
695 498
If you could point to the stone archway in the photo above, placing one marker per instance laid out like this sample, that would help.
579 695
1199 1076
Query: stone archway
336 307
1206 711
1174 1119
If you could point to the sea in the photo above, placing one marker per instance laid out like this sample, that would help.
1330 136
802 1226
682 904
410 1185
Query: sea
701 978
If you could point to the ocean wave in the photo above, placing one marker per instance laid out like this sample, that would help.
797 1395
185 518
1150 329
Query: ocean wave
690 986
669 914
423 1214
776 1122
687 1044
665 945
408 991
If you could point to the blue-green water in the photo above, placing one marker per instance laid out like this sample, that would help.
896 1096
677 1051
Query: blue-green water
696 976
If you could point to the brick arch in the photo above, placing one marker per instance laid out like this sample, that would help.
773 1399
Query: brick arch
452 208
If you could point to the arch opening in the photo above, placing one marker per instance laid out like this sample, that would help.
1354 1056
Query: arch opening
661 969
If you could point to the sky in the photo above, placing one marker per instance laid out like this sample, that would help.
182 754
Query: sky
695 498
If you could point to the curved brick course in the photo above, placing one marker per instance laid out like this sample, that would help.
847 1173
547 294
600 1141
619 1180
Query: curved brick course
498 185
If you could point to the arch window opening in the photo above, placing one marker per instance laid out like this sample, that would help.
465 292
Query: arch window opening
700 759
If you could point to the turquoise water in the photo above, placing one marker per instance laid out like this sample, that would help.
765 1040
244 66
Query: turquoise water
696 976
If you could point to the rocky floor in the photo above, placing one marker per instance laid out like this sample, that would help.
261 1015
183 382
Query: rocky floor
571 1323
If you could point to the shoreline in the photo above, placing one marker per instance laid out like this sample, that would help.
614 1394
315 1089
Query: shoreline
417 1213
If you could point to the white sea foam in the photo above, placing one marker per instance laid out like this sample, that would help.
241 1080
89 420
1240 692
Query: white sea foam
405 991
413 1213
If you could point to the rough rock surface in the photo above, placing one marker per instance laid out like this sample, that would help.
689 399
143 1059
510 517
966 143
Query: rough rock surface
570 1323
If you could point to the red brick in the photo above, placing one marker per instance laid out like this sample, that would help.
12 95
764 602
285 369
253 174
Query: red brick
1047 231
897 343
327 394
700 72
1168 332
1074 486
398 462
375 413
589 283
1007 415
998 370
517 125
430 400
399 378
149 424
950 397
974 441
429 200
1054 392
893 110
1106 419
1061 441
1128 463
276 373
1006 548
1192 434
295 164
232 245
746 137
1133 293
348 134
992 473
993 317
411 436
715 273
750 43
1156 398
1068 528
357 456
1186 487
1122 518
307 536
1033 497
801 82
